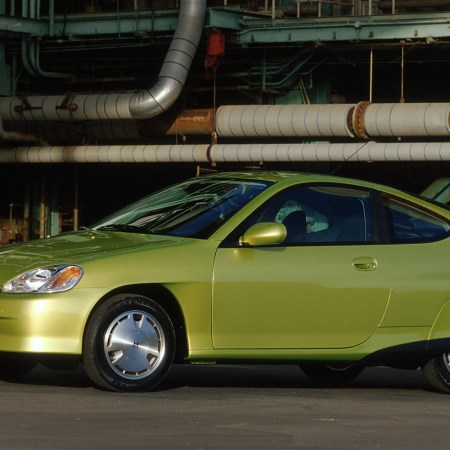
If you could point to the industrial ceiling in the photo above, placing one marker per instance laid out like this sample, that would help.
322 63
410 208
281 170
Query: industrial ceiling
218 82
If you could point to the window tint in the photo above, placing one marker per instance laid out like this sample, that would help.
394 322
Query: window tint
195 208
412 224
322 214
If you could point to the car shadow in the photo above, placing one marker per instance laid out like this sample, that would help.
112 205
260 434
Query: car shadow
286 377
237 376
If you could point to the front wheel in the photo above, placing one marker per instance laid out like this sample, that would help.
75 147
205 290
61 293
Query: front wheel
129 344
332 374
437 373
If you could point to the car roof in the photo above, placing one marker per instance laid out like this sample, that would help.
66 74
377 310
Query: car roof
285 176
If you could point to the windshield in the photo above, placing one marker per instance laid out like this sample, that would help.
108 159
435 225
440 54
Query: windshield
195 208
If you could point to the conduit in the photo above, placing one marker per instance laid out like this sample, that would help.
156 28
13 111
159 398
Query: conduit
140 105
244 153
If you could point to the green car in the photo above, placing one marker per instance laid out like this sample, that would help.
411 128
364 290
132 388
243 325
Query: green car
329 273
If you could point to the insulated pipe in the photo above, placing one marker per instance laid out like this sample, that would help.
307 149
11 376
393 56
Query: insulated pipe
407 119
106 154
284 120
354 152
141 105
363 120
245 153
173 74
188 123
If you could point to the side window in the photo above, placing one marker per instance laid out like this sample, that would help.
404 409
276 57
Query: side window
411 224
322 215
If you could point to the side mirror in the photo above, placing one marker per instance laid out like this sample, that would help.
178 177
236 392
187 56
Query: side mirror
264 233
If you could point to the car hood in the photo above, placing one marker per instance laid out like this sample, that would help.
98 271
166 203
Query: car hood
75 248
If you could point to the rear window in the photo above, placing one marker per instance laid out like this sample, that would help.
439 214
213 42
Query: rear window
408 223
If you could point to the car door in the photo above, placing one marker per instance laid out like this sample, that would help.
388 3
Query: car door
419 256
325 286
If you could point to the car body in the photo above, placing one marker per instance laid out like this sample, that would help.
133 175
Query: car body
330 273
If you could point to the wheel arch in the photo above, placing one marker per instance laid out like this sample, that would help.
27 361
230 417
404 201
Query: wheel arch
161 295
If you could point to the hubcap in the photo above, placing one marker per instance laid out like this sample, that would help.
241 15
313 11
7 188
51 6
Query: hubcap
446 358
134 345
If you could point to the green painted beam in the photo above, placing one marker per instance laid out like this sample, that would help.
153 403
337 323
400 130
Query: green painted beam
225 19
23 26
355 29
254 29
94 24
250 29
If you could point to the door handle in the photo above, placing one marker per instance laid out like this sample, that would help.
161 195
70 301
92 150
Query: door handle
365 263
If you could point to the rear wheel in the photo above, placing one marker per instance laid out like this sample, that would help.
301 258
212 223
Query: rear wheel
332 374
437 372
129 344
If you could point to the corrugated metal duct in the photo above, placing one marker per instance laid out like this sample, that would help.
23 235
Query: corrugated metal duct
245 153
140 105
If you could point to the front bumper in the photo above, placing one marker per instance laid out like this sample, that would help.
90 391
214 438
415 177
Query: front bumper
46 323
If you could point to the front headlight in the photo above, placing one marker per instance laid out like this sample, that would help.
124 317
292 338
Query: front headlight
45 279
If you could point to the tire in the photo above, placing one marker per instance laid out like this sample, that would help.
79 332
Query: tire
437 373
129 344
332 374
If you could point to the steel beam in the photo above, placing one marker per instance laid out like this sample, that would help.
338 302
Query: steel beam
332 29
250 29
93 24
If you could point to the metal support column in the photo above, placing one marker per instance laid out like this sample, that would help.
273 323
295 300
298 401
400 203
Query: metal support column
5 70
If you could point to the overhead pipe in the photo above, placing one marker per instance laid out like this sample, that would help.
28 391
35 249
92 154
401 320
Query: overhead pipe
106 154
239 121
140 105
363 120
323 152
188 123
242 153
30 48
30 53
407 119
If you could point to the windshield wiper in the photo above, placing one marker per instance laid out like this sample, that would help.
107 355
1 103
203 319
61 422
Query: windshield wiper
123 228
